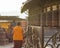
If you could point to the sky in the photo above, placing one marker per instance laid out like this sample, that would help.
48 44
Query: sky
11 8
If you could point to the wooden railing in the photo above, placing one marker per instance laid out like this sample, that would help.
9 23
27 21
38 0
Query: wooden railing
32 39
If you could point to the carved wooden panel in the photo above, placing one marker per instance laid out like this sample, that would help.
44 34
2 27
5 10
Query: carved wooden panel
49 19
34 20
55 18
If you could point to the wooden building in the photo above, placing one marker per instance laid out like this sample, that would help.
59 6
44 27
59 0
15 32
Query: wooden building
43 13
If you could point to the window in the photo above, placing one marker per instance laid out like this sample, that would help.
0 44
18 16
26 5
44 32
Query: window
54 7
48 9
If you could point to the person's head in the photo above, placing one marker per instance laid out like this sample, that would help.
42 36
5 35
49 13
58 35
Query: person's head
18 23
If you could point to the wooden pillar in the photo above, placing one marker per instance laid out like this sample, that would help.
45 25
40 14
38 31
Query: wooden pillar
59 14
42 30
39 18
44 17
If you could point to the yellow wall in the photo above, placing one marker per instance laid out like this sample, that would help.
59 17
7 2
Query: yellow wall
4 24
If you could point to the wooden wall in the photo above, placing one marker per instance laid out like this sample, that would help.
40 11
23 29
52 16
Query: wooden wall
50 16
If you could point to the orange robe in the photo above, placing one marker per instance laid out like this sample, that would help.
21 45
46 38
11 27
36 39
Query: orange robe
17 33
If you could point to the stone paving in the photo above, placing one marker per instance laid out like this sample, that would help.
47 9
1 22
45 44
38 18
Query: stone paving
10 45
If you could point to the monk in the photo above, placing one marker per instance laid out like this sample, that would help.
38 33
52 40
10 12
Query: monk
18 35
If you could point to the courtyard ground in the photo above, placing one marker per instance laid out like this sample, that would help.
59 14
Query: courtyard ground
10 45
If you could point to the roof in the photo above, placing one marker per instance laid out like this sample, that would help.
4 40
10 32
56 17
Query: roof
29 4
9 18
34 3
